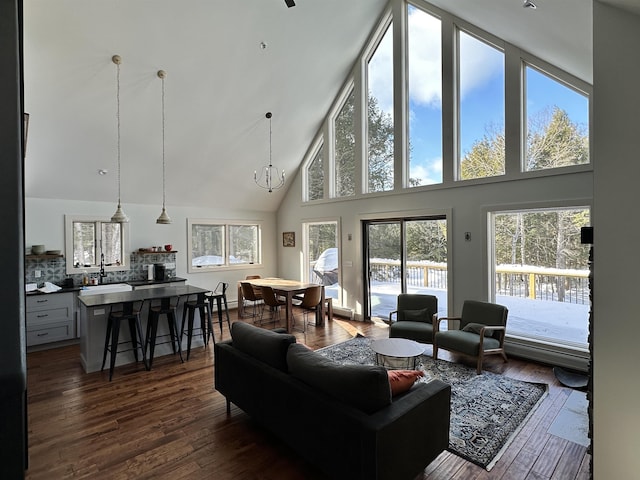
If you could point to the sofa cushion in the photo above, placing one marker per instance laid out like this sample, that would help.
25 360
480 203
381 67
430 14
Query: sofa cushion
264 345
402 380
365 387
423 315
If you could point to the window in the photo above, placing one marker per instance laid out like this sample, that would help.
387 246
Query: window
90 242
481 109
345 149
541 273
557 119
214 245
315 177
477 108
425 98
380 167
321 252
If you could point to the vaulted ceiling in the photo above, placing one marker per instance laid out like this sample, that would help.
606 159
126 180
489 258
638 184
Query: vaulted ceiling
228 63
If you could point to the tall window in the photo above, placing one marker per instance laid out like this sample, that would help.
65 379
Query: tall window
92 242
315 177
214 245
322 256
557 119
481 108
425 98
345 149
541 273
380 116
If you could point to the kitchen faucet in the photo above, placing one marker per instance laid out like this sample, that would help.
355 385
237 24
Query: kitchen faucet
102 274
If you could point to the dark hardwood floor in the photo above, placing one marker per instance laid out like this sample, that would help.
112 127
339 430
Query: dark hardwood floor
171 423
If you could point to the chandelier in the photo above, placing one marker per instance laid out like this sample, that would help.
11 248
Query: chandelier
269 179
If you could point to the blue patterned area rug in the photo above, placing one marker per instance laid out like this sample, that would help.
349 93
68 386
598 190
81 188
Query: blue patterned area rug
487 411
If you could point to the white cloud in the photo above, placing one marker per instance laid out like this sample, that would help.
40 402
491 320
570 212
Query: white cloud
429 171
425 73
380 73
481 63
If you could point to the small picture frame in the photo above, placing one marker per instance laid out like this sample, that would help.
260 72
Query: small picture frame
288 239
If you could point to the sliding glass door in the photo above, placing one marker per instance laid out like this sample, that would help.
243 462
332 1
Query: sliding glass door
405 255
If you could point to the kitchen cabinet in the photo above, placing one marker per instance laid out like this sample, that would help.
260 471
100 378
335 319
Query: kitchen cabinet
50 318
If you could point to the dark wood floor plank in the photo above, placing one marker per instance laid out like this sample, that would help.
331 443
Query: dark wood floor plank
170 423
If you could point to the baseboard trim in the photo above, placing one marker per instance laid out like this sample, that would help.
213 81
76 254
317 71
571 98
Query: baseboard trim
551 354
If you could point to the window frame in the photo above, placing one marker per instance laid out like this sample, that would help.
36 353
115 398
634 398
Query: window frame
338 244
71 269
514 59
567 80
386 26
227 265
318 148
489 262
499 46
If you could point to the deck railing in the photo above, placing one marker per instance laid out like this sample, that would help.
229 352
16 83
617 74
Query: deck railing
553 284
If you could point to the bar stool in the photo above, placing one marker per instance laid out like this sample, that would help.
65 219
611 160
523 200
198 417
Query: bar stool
220 296
163 306
188 312
130 311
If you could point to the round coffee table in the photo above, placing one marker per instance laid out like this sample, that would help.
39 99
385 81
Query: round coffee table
397 353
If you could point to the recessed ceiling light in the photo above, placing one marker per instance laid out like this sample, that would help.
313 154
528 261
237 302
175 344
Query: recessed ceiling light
263 46
529 4
102 171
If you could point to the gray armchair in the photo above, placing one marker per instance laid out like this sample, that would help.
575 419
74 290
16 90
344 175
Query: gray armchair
414 317
481 331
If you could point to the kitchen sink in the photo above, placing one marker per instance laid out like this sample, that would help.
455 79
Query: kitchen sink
110 288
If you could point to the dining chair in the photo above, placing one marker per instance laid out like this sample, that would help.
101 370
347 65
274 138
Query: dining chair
273 302
310 303
257 290
249 295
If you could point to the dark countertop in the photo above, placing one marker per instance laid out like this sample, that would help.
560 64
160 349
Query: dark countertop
136 295
139 283
133 283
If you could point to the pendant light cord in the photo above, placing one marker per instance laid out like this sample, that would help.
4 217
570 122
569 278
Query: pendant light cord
163 161
118 122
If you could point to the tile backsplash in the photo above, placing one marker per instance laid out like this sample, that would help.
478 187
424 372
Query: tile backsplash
54 269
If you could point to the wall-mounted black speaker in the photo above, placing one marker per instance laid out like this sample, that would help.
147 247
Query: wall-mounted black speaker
586 235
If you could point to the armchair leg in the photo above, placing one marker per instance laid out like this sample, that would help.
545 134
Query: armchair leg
479 368
435 351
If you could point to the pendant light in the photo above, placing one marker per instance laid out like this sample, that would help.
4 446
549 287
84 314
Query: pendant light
163 219
119 216
269 173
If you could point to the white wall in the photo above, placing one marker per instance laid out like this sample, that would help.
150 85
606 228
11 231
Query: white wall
616 150
466 206
44 222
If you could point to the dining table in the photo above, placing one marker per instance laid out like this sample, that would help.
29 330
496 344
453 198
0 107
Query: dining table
287 289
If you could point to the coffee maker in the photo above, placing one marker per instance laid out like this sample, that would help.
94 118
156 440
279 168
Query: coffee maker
159 272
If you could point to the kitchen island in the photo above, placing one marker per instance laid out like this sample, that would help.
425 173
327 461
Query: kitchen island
94 311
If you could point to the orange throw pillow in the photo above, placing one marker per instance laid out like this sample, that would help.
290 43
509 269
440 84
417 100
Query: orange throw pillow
403 380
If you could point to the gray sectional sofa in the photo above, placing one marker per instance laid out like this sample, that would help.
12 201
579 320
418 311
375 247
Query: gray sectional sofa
340 418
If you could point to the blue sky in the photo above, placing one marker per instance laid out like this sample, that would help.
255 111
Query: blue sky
481 92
